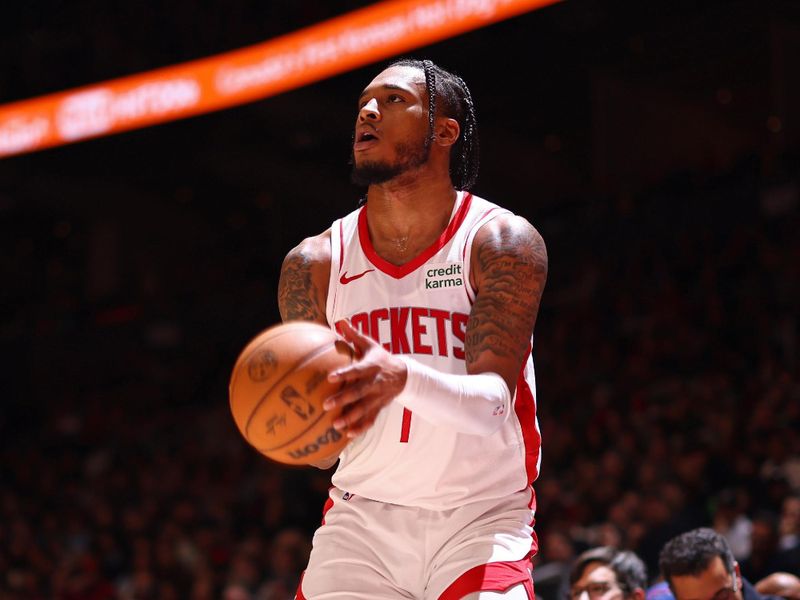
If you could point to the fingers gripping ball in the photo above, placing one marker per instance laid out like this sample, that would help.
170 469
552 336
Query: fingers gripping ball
277 388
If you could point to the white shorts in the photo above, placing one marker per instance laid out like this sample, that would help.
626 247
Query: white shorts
377 551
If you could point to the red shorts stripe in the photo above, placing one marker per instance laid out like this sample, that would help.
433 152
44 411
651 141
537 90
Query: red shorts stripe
492 577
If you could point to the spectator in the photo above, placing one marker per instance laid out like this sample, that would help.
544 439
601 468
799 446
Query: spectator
605 573
699 565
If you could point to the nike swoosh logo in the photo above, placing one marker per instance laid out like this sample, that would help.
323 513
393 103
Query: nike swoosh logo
344 279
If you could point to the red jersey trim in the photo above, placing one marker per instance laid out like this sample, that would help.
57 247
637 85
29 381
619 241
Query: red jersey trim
400 271
525 407
492 577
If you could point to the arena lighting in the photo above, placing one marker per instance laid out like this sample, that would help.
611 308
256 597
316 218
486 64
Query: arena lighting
352 40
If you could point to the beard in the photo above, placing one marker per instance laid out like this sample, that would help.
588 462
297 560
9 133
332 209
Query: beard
374 172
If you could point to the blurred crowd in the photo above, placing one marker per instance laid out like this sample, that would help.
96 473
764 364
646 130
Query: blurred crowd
679 399
169 506
666 354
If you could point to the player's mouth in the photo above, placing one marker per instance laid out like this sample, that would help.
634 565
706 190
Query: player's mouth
365 139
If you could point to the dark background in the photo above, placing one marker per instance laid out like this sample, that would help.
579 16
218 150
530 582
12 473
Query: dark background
653 144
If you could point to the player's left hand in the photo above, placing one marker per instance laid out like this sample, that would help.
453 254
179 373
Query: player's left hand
371 382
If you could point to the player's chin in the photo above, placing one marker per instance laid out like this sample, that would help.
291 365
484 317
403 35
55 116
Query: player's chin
364 162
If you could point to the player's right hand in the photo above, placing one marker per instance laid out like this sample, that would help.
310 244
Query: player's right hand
372 381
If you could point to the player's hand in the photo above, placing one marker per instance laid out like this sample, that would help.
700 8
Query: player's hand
370 383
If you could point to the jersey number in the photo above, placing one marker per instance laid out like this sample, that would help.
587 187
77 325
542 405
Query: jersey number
405 428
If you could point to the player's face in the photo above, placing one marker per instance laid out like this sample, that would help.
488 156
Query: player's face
391 129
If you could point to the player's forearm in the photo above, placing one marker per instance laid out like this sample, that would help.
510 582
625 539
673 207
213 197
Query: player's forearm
477 404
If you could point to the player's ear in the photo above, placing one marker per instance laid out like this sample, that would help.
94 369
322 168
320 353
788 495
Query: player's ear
446 131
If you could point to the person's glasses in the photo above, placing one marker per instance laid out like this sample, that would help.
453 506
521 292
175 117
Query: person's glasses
597 590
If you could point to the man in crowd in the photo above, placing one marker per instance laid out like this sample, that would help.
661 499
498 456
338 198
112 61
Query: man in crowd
605 573
699 565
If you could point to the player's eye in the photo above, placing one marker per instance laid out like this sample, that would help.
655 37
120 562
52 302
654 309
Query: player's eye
395 98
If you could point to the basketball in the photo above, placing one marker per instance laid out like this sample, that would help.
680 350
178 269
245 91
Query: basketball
277 388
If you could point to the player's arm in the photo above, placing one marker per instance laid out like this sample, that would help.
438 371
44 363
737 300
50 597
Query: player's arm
303 285
509 270
303 289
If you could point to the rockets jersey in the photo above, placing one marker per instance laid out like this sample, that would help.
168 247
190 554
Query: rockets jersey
421 309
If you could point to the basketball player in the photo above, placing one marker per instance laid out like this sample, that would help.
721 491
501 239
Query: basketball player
437 290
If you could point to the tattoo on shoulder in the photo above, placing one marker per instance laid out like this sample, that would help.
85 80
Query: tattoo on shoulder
513 267
298 296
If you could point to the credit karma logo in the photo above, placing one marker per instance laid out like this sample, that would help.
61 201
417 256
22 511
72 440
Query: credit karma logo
444 275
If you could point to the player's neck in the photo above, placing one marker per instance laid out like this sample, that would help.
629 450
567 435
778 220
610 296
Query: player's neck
407 215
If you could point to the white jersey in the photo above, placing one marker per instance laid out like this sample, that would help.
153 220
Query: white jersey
421 309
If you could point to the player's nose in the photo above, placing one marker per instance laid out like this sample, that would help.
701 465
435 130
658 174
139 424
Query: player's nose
369 111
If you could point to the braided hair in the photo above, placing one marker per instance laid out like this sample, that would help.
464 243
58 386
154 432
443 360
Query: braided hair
449 94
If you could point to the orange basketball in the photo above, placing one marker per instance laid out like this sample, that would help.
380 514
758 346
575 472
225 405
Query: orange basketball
277 388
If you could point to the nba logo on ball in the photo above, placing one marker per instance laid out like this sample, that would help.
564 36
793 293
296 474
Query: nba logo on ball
261 366
277 388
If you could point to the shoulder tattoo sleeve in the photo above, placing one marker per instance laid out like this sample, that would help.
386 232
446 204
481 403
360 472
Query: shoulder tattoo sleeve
299 298
512 269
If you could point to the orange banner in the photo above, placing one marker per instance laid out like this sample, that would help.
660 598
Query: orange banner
287 62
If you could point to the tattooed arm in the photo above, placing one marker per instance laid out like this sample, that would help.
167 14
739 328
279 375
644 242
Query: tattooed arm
303 286
508 269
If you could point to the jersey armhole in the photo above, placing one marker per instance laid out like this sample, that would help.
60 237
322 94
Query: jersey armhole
337 258
487 216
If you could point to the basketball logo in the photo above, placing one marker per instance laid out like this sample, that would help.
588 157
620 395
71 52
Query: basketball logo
261 365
